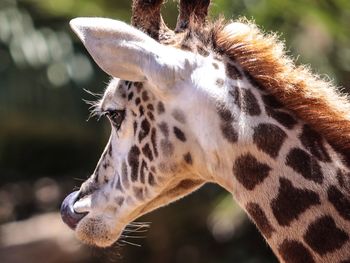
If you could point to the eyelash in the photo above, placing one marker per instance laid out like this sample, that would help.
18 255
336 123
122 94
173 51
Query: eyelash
115 116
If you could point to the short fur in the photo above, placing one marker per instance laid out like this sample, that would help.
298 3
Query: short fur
264 60
194 8
146 17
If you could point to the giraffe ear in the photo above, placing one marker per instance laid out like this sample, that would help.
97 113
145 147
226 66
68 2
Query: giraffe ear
124 52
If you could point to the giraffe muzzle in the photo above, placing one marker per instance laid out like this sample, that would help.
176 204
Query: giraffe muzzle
68 214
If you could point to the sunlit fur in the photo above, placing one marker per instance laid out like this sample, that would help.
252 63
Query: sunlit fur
313 99
196 82
106 219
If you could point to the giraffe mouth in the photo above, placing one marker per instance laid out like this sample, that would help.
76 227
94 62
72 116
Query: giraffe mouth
69 215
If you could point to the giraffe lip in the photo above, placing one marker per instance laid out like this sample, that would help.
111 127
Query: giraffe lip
68 214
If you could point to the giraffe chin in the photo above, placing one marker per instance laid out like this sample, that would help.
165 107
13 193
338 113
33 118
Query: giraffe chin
95 231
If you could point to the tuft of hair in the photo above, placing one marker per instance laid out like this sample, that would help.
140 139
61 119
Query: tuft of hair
95 105
264 60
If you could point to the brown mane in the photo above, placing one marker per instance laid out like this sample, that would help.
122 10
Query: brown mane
263 57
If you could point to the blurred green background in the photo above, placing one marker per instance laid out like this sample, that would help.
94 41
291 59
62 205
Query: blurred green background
47 147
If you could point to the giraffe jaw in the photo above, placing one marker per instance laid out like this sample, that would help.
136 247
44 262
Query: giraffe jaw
102 228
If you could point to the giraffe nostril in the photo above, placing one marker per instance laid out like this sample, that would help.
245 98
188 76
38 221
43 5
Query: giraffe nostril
68 214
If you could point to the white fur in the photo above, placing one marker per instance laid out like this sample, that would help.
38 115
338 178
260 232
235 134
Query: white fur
127 53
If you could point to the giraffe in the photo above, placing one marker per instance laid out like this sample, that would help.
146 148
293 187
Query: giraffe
215 102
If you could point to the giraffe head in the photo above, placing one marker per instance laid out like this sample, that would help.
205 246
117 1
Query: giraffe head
179 114
161 103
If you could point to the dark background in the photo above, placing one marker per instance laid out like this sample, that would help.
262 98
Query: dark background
47 148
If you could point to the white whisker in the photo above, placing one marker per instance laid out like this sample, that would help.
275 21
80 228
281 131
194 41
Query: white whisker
134 231
97 95
128 236
130 243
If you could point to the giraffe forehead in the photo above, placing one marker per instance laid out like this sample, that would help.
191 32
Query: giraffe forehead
114 94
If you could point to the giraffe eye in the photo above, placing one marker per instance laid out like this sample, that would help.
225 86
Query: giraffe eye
116 117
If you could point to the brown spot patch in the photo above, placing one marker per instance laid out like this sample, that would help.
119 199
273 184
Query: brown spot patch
131 95
160 107
271 101
249 171
236 95
188 158
314 142
164 129
179 116
167 147
202 51
229 132
133 160
283 118
142 171
345 156
220 82
291 202
124 175
110 150
269 138
293 251
151 180
246 101
145 128
135 127
340 178
323 236
119 200
215 65
150 115
186 47
259 217
146 150
339 201
138 86
145 96
150 107
225 114
154 141
141 110
179 134
226 127
304 164
343 178
232 71
105 165
138 192
118 185
249 103
137 101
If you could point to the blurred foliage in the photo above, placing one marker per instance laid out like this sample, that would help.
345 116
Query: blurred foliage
46 143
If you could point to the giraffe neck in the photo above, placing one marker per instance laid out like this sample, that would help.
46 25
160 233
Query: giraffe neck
288 179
